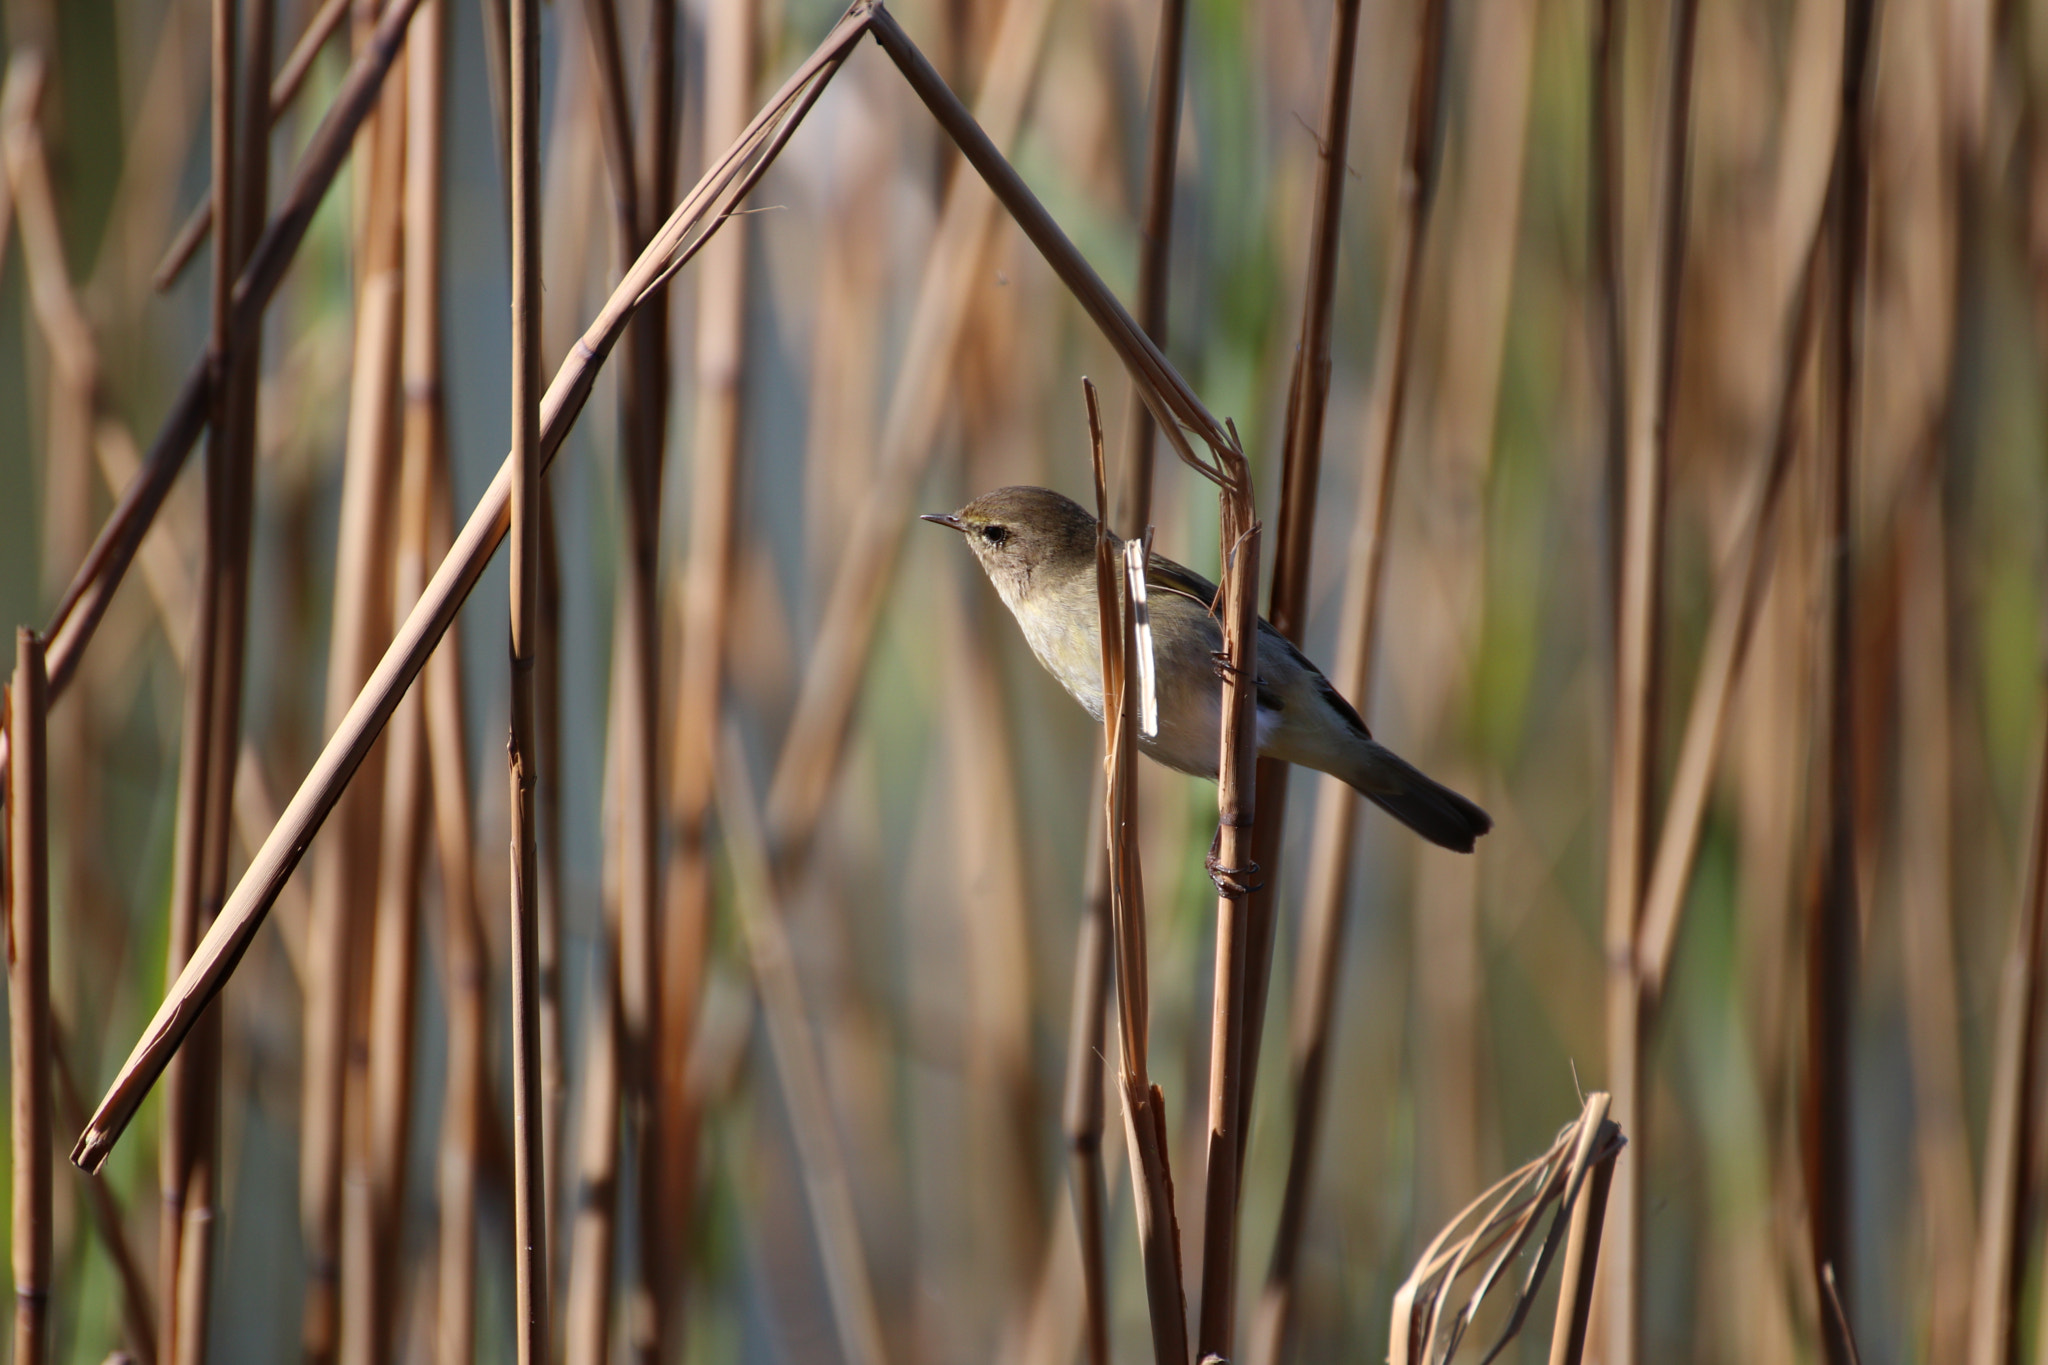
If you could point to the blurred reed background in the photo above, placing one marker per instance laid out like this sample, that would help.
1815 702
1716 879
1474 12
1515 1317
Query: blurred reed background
1680 495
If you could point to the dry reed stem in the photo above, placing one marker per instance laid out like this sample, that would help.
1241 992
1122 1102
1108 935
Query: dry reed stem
28 996
85 601
1832 944
1300 477
75 353
465 979
1144 1105
332 1137
186 1139
723 185
811 748
2002 1224
707 586
1489 1235
827 1190
587 1302
1081 1111
1581 1266
1638 678
1321 952
1603 219
1236 841
282 91
635 682
1155 252
1738 598
1927 921
529 1187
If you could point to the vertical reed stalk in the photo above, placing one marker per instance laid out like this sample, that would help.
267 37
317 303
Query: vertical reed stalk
465 970
1321 952
1832 948
1082 1108
1155 254
1638 679
395 943
276 99
711 203
1603 220
529 1192
1998 1291
342 883
706 590
1144 1105
1300 474
28 996
187 1138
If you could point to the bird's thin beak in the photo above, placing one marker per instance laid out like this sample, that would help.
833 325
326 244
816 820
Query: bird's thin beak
944 519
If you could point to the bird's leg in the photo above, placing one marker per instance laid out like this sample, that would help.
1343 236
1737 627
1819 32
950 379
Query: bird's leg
1226 878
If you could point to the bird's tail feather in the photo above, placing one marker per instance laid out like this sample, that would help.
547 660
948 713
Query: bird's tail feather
1418 801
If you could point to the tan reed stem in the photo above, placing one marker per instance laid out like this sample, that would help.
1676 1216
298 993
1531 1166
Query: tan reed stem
529 1186
1832 931
1321 952
722 186
85 601
281 92
811 749
1603 224
395 942
1580 1271
1144 1105
1081 1111
1300 477
28 996
334 1138
827 1189
1155 253
714 533
465 969
1638 678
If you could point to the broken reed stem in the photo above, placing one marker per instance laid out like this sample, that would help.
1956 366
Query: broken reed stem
1638 678
1144 1105
1081 1111
707 588
1155 254
1321 952
813 744
791 1041
529 1191
1300 477
28 996
85 601
1832 949
1580 1271
282 91
722 186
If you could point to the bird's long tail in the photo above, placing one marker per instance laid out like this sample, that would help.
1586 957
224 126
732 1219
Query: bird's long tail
1418 801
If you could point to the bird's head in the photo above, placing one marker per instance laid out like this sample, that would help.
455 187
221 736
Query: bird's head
1024 536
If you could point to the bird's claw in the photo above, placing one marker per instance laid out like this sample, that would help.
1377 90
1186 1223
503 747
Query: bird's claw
1227 878
1227 670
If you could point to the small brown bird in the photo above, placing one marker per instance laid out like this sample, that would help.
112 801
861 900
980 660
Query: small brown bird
1038 549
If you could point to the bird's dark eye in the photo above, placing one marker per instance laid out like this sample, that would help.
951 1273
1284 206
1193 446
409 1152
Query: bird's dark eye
995 535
